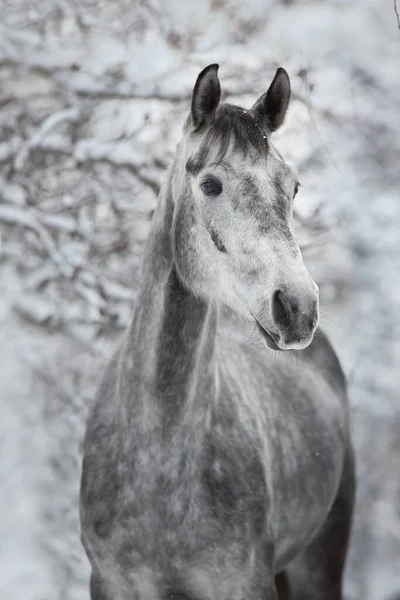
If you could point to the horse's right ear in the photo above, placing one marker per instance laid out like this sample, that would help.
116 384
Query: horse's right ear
206 97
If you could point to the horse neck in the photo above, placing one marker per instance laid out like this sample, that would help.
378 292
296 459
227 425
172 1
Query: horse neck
169 357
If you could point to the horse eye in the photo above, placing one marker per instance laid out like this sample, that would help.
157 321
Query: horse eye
211 187
296 189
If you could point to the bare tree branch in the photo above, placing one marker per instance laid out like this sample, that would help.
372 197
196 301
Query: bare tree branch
63 77
14 215
397 13
67 115
103 153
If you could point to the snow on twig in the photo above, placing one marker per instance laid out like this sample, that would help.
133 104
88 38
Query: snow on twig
69 115
118 155
14 215
9 148
88 87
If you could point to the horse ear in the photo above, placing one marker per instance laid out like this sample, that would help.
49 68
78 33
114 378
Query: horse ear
206 96
271 107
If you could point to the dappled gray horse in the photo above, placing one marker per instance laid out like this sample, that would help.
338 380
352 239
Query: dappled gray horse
215 468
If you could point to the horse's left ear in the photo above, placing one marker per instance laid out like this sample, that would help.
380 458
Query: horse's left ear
206 96
271 108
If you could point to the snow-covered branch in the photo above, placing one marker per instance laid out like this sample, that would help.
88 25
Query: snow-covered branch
69 115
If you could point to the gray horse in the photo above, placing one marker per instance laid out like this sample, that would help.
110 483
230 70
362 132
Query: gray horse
216 467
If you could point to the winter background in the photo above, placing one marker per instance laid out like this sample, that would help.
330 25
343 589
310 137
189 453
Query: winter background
93 94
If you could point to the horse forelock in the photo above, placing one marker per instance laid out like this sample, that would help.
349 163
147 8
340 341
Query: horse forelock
233 128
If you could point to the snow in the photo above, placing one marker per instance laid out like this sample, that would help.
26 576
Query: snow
92 100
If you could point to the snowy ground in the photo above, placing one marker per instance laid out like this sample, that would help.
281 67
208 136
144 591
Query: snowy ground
92 96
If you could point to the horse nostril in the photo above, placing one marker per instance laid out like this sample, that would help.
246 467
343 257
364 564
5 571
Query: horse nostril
281 309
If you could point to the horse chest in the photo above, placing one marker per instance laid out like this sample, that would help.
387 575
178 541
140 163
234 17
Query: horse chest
234 485
201 508
215 490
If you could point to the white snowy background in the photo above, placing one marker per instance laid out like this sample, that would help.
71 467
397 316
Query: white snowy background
92 97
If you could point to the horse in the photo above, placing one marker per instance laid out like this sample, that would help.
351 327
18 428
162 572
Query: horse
218 462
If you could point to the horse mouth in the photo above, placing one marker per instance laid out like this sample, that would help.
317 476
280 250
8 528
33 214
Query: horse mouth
267 336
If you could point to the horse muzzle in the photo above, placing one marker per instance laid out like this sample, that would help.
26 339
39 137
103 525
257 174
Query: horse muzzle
291 318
